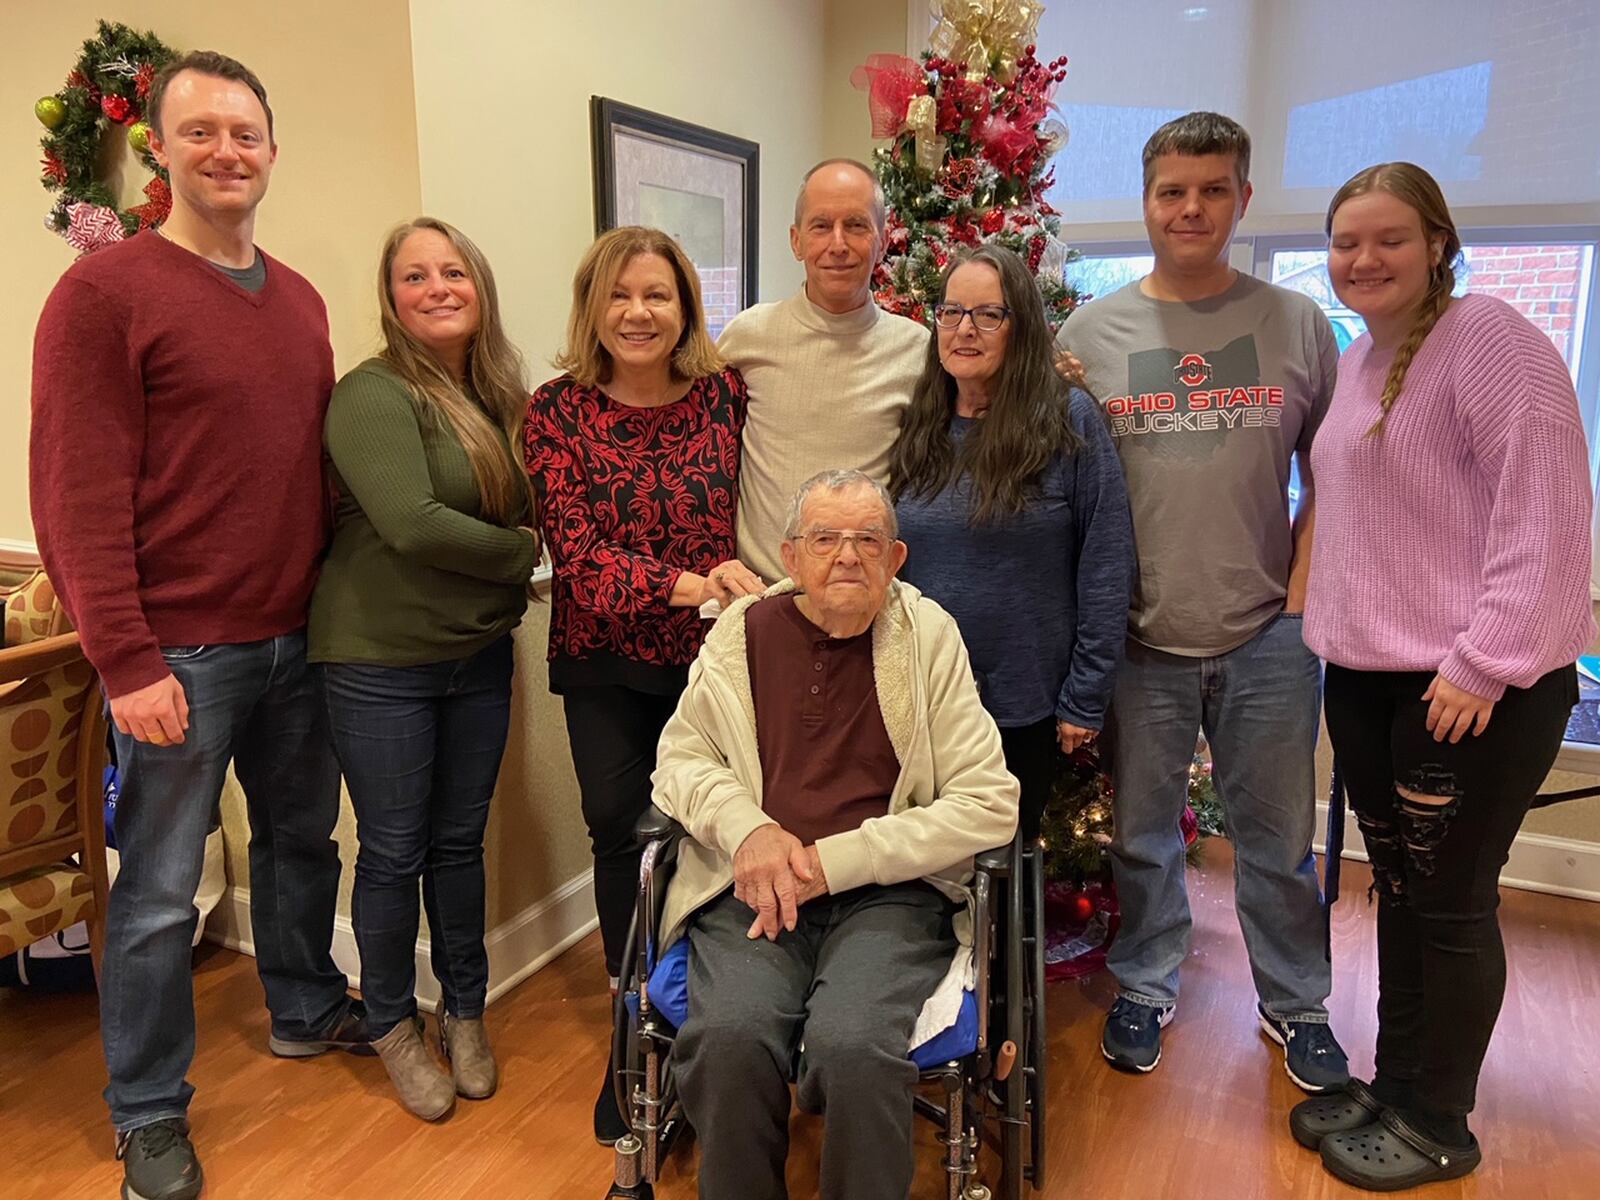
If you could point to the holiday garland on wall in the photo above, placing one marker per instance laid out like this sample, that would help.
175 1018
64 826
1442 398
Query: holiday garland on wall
971 139
105 91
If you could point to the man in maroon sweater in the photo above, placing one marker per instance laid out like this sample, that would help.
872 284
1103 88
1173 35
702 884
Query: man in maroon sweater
179 384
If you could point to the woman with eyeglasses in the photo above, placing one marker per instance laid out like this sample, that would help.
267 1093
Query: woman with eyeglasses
1011 500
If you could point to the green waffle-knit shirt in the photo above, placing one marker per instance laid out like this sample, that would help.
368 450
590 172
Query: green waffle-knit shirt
414 574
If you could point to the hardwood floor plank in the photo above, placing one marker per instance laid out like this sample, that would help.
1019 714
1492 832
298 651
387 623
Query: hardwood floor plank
1209 1123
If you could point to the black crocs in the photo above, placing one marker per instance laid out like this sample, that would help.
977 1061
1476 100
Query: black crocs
1351 1107
1389 1155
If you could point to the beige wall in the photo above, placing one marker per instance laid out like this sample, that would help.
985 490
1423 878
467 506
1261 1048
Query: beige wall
339 77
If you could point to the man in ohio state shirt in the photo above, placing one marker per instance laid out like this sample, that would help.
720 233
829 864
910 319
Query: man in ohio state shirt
1213 383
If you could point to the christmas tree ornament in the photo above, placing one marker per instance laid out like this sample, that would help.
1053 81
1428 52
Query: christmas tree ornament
988 37
139 136
51 111
91 226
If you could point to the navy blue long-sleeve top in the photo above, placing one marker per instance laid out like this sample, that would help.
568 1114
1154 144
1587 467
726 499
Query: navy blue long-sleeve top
1041 596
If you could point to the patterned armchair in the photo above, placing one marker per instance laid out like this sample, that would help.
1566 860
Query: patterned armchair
52 749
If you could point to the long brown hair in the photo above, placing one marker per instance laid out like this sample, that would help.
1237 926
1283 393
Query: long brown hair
1028 421
486 413
583 357
1414 187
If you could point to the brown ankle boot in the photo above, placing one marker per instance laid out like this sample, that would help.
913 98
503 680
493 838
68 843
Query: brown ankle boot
424 1089
466 1047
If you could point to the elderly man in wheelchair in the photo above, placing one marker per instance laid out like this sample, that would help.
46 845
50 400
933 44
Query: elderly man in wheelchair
834 773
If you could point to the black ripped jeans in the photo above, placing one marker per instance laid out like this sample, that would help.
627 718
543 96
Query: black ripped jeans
1436 870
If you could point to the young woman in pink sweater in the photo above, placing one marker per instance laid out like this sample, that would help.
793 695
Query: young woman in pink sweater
1449 594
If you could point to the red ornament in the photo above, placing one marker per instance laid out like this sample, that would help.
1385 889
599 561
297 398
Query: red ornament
54 168
115 107
1082 908
994 220
143 80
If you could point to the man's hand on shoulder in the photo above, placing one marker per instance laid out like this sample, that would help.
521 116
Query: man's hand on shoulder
157 713
1070 367
769 870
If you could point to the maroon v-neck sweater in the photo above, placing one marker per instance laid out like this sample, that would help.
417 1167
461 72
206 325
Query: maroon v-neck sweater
175 465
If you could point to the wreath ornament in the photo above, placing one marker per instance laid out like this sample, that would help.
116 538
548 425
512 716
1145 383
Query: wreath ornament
106 89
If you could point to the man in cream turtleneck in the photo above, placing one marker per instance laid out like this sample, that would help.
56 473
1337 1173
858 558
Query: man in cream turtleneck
829 372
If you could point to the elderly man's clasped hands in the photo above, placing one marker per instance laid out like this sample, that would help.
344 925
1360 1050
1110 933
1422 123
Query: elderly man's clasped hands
775 874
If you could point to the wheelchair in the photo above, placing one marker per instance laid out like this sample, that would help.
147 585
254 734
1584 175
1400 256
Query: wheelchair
982 1082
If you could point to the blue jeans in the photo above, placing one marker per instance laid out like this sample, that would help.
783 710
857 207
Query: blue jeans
257 705
1258 707
421 749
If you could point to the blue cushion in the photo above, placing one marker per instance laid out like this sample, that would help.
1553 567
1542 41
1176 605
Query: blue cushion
669 995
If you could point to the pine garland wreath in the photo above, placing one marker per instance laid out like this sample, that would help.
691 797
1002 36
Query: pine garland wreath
106 89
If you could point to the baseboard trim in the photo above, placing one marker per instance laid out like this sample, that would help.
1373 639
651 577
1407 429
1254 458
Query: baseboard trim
517 947
1556 866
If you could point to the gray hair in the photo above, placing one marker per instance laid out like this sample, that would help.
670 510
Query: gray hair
840 480
880 204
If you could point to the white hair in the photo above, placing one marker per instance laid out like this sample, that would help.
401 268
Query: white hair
840 480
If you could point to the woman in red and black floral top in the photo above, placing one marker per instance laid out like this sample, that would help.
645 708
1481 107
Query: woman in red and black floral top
635 455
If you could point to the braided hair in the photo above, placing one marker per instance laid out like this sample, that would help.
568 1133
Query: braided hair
1414 187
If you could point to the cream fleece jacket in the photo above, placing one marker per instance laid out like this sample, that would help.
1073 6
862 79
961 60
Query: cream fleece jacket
954 797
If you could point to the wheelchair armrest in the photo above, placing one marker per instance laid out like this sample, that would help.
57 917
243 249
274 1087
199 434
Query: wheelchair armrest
654 825
995 862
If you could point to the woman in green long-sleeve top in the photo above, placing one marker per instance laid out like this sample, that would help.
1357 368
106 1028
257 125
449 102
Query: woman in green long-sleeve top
411 624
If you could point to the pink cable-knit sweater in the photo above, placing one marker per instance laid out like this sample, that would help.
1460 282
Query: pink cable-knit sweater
1457 540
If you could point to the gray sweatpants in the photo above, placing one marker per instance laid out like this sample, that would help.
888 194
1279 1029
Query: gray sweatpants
848 983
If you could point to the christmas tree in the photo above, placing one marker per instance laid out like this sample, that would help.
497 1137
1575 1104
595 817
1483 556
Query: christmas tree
970 141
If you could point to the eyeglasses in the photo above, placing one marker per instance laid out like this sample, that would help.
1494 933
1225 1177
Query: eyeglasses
986 318
825 543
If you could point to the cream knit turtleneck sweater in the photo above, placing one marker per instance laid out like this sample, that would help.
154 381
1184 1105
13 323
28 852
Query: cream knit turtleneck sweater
826 391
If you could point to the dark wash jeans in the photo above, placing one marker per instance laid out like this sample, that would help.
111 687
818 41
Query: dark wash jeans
1436 869
421 749
255 704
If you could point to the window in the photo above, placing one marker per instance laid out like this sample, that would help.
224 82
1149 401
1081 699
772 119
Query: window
1098 275
1547 282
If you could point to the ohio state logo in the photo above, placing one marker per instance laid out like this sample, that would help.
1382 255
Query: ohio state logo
1192 370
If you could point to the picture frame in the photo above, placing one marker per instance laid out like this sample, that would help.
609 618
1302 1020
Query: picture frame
699 185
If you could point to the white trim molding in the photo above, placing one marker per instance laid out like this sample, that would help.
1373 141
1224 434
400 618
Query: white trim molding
517 947
1557 866
15 546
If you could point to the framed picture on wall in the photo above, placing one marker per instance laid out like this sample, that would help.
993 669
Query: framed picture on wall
700 186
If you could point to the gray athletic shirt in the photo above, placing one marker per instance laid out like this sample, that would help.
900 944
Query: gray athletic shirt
1208 402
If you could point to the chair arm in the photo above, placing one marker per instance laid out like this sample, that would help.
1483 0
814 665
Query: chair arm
996 861
654 825
35 658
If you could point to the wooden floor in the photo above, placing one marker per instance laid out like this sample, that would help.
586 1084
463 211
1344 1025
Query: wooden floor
1209 1123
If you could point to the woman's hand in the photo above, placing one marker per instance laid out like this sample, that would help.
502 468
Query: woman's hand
1070 367
1452 712
729 580
1073 736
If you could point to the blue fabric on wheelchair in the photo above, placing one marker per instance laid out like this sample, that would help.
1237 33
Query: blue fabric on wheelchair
669 995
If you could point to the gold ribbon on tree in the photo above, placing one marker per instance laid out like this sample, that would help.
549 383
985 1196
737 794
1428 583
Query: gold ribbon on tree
922 119
984 34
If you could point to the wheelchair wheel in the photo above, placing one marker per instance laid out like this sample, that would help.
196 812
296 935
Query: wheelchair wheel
1039 1051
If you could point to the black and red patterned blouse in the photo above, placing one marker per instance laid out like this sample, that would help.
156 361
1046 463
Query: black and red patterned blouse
630 498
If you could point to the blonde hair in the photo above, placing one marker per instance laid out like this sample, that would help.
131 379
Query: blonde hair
1414 187
486 412
583 357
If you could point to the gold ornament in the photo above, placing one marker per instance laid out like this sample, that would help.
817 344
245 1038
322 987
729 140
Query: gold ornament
50 111
987 35
139 137
922 118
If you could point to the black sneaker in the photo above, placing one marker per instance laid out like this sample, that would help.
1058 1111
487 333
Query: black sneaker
1312 1056
1132 1037
159 1162
609 1125
348 1032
